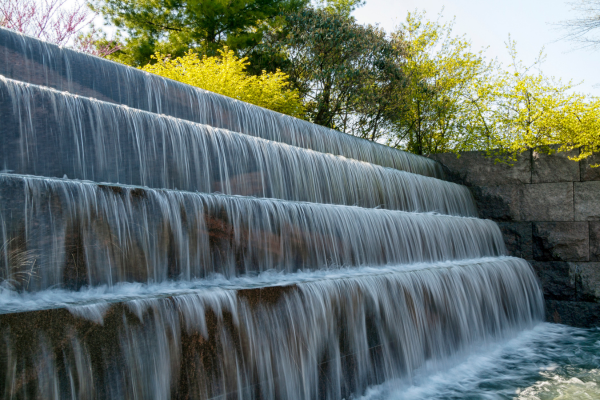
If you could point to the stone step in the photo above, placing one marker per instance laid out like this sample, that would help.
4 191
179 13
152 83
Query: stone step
67 233
329 338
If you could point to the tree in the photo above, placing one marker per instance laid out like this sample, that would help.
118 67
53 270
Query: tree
54 22
49 20
205 26
346 73
580 29
226 74
533 111
448 93
340 7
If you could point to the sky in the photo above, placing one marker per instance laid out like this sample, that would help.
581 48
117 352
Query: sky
487 23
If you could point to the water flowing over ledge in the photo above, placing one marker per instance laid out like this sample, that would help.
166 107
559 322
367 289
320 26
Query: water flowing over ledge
323 339
72 234
30 60
49 133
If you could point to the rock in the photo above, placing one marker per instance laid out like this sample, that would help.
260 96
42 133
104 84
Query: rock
555 279
547 202
586 277
587 172
594 241
560 241
587 201
554 167
518 238
500 203
574 313
474 168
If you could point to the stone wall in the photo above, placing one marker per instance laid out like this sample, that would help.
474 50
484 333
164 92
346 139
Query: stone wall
548 208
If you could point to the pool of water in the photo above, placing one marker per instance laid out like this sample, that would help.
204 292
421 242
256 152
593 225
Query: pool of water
550 361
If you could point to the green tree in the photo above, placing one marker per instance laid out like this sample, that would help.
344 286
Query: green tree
175 26
226 74
532 110
347 73
340 7
448 91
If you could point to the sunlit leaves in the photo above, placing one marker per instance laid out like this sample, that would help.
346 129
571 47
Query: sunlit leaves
226 74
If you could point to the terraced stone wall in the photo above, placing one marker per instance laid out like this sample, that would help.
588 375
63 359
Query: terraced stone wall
548 208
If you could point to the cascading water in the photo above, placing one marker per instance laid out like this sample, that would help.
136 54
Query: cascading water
55 134
134 263
29 60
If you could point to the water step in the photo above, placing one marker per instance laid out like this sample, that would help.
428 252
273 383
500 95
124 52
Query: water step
67 233
327 338
31 60
50 133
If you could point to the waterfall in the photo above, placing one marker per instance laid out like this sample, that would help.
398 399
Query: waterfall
160 241
106 234
29 60
90 139
323 339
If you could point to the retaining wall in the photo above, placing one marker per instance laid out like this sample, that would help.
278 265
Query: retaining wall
548 208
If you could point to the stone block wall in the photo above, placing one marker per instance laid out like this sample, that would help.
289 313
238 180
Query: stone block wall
548 208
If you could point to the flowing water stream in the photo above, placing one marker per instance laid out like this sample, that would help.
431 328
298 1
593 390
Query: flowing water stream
159 241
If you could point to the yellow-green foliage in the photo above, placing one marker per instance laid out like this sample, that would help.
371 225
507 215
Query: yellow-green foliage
533 110
457 100
226 75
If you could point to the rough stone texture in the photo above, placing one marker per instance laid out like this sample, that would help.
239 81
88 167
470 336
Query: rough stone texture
587 201
556 280
475 169
594 241
547 202
551 219
518 238
560 241
587 172
554 167
587 280
574 313
500 203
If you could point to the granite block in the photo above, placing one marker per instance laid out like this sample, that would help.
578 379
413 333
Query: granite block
547 202
518 238
556 167
589 173
474 168
587 201
587 280
555 277
574 313
560 241
500 203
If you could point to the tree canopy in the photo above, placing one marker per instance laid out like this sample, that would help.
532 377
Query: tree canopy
176 26
346 73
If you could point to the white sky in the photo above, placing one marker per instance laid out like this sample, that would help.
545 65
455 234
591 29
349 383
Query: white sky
488 23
